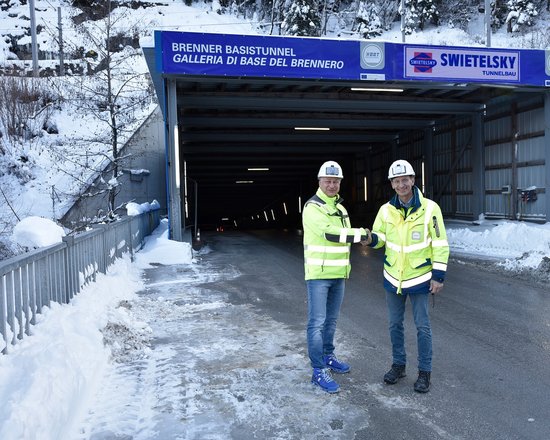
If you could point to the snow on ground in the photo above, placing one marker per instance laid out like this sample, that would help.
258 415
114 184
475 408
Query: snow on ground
148 329
516 245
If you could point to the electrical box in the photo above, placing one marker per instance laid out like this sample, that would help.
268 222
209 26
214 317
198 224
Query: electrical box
506 189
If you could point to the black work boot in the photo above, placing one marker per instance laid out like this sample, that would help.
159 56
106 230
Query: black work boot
422 384
396 372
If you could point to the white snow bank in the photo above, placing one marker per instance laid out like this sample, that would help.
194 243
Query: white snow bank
35 232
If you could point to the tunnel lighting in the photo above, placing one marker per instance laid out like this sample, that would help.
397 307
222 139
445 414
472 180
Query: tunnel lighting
225 219
186 202
244 181
235 223
258 169
365 187
273 214
265 215
284 207
312 128
423 179
299 204
374 89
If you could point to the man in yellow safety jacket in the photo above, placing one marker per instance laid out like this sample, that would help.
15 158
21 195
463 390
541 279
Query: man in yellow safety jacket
411 228
327 243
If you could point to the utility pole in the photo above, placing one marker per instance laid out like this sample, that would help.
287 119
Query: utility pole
34 46
61 58
402 21
488 21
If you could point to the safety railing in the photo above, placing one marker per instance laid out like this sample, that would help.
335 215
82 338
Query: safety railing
57 273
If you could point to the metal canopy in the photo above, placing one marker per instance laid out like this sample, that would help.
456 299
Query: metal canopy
227 125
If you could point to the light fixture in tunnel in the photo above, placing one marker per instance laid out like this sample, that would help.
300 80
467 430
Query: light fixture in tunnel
313 128
365 188
375 89
423 179
273 215
265 215
244 181
284 207
258 169
299 204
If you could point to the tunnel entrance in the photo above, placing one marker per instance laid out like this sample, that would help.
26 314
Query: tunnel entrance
248 148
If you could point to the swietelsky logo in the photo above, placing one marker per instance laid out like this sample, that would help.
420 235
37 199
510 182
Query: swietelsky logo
422 62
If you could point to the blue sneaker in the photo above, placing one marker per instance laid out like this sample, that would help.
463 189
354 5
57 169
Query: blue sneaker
322 378
332 362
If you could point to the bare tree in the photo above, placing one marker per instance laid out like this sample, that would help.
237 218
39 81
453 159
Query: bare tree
110 94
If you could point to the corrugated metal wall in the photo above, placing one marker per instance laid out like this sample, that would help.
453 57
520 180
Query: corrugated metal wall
514 152
514 159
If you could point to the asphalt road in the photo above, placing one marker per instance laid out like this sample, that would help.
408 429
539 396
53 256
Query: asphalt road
491 336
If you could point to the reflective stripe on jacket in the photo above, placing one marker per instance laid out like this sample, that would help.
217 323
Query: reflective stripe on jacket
327 238
417 250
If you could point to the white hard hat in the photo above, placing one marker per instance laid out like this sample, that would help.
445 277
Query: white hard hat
400 168
330 169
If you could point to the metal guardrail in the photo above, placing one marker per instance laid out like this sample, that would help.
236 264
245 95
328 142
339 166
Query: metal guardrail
57 273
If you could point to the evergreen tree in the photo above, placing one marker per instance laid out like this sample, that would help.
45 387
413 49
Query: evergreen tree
302 19
368 20
521 13
418 13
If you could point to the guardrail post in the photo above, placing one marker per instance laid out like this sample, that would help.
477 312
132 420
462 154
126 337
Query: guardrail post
3 313
103 258
69 266
130 240
25 293
10 307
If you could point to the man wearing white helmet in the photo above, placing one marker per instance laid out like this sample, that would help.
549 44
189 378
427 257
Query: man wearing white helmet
327 244
411 229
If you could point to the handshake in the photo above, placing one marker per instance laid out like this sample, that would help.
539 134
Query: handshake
366 239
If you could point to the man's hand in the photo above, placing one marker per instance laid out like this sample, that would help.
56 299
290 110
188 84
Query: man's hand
368 240
435 287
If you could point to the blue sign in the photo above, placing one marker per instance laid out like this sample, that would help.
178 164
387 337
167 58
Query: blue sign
200 54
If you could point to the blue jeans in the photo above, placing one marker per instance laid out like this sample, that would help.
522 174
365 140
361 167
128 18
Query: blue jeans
396 311
324 298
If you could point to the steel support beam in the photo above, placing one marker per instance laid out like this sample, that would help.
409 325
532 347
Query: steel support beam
173 170
478 166
547 154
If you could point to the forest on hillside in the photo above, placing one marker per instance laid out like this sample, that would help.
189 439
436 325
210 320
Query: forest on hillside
316 18
367 18
370 18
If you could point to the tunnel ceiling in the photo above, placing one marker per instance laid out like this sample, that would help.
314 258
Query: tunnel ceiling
228 125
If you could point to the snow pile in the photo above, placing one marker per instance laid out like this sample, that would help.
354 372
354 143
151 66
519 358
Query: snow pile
159 249
134 209
64 360
518 245
35 232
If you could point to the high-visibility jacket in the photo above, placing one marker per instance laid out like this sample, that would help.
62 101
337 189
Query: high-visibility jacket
327 237
416 244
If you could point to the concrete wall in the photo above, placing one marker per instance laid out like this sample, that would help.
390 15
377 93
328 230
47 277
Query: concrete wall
143 179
